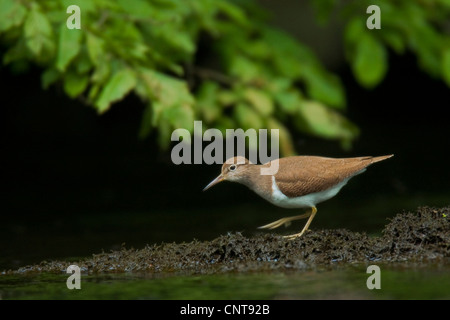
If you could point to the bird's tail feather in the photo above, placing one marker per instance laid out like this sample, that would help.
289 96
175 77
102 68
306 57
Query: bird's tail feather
381 158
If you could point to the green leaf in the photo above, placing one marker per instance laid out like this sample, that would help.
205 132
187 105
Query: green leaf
288 55
93 92
324 87
395 41
157 110
68 46
172 103
207 101
317 119
289 101
137 9
146 122
49 77
180 116
278 85
227 97
370 62
75 84
233 11
176 39
354 30
247 117
18 52
258 49
446 66
12 14
95 46
244 68
82 62
86 6
38 32
445 3
118 86
166 119
139 51
430 60
102 71
166 89
260 101
424 39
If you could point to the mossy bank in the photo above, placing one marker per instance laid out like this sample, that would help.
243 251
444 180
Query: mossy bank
412 237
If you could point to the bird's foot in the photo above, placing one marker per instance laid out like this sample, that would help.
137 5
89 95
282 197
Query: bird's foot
294 236
276 224
284 221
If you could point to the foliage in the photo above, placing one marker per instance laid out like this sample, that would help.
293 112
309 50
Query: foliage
420 27
215 60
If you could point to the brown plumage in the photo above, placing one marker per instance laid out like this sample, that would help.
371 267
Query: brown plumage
300 176
301 181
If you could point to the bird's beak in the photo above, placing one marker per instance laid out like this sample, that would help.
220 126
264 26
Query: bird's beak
214 182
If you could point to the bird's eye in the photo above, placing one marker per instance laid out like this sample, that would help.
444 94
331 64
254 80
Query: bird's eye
232 167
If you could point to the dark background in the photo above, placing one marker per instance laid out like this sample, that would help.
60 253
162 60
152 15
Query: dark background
75 183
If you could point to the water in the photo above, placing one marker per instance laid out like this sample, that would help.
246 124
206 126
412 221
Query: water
349 282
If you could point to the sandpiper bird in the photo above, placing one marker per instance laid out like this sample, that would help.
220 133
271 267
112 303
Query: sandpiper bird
300 182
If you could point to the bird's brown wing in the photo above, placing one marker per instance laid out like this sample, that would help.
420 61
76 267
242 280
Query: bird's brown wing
308 174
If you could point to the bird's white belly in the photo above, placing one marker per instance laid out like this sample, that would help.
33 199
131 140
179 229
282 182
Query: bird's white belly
307 201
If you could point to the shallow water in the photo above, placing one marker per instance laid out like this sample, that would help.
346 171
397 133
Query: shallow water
349 282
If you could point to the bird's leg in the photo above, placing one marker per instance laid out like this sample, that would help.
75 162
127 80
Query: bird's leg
293 236
286 221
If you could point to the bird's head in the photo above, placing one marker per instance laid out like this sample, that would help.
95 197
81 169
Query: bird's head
232 170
